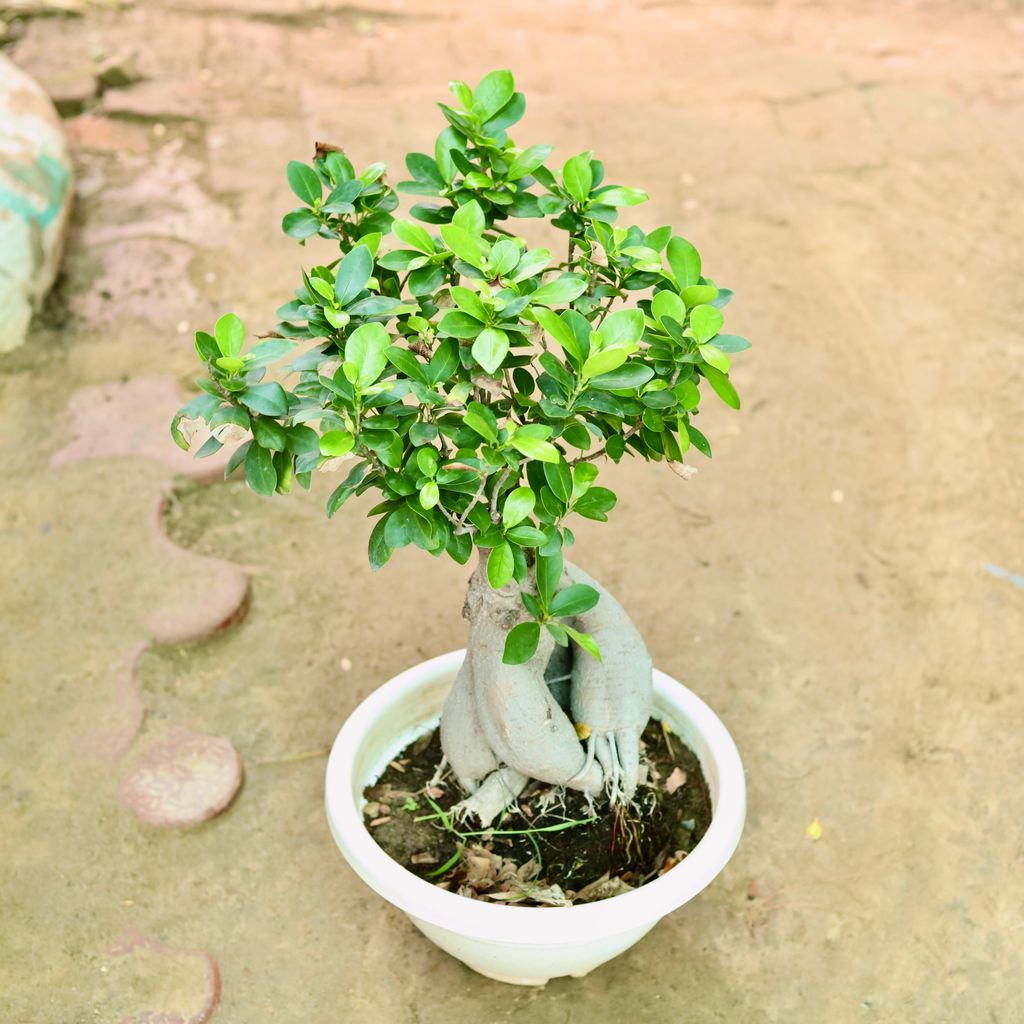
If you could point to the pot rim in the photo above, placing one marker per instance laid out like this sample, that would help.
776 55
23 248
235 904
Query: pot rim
495 923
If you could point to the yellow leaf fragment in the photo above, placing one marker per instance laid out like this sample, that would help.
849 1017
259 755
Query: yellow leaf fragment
583 731
814 830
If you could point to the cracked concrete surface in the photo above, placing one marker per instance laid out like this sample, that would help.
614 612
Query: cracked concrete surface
826 583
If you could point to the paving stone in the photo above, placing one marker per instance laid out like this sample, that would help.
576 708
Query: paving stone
184 779
219 598
125 718
101 134
158 984
133 418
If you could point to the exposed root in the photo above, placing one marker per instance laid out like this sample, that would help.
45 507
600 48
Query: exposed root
498 792
502 723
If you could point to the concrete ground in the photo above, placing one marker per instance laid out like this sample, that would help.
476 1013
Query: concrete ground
844 583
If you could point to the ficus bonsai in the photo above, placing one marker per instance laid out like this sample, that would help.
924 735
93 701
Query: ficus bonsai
475 382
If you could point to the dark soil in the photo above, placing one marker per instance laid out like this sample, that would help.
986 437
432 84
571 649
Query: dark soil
607 853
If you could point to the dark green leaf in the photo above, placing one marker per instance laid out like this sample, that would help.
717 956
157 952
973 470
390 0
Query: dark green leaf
574 600
521 643
304 182
260 473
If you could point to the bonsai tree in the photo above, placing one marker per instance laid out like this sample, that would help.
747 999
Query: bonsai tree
476 382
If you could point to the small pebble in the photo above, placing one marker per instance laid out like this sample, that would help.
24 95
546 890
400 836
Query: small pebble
837 497
346 664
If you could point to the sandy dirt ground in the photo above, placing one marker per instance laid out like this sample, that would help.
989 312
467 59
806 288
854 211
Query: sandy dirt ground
844 583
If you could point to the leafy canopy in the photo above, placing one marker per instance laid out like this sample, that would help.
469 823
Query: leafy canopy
469 378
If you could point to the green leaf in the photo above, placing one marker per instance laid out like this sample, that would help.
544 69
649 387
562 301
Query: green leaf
731 343
527 536
559 478
698 293
560 291
300 224
583 476
705 323
688 394
480 418
559 330
490 348
413 235
424 169
493 92
269 351
549 576
429 494
268 399
668 304
604 361
469 302
336 442
504 256
715 357
578 177
367 350
521 643
304 182
448 140
518 505
500 565
470 218
624 327
585 640
700 442
269 433
620 196
345 490
574 600
535 448
458 324
354 272
260 473
629 375
237 457
230 334
528 161
684 260
722 386
595 504
379 549
463 244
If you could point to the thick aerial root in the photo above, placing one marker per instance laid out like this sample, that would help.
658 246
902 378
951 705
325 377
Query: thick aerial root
508 715
499 791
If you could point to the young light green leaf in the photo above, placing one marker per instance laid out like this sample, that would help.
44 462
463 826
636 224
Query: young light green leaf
578 177
623 328
604 361
684 260
668 304
493 92
534 447
463 244
528 161
470 218
230 335
366 350
705 323
715 357
518 505
480 418
469 302
500 565
559 330
619 196
584 640
429 494
722 386
561 291
336 442
414 236
490 348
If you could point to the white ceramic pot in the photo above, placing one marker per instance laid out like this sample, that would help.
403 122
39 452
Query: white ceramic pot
522 945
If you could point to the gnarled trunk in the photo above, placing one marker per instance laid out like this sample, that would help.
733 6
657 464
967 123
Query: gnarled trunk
503 725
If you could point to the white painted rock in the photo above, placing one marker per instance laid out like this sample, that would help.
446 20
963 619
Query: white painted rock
35 200
184 779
